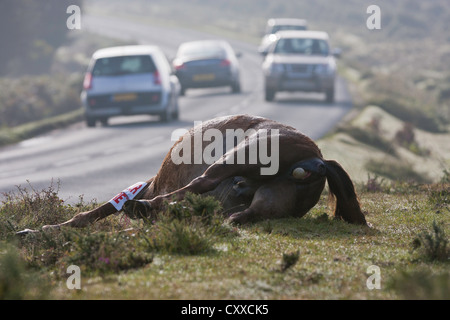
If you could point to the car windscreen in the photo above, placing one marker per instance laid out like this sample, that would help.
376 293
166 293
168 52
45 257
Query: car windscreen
123 65
277 28
196 51
301 46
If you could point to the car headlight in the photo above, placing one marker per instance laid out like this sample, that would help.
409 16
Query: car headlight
324 68
321 69
277 68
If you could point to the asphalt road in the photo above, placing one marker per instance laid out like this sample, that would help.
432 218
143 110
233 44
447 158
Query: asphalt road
100 162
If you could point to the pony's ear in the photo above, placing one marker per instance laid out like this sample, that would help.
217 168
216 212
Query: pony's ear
347 205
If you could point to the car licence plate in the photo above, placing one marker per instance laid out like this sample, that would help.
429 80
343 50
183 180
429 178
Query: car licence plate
124 97
204 77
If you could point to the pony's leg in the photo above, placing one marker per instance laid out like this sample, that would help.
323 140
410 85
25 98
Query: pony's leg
83 219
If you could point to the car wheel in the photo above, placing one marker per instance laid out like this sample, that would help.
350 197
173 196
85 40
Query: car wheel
90 122
175 113
166 116
236 87
329 95
104 122
270 94
182 91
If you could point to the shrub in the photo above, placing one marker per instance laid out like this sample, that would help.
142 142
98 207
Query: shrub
189 237
433 245
374 184
444 94
103 252
445 176
421 285
439 195
30 208
406 138
190 226
407 112
289 260
394 170
370 137
29 99
16 282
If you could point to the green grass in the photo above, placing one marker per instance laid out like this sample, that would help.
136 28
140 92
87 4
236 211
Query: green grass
395 170
32 129
194 255
369 137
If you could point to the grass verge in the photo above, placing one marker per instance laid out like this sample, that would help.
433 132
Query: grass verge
189 253
29 130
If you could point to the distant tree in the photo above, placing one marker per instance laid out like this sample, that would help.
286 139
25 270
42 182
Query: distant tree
30 32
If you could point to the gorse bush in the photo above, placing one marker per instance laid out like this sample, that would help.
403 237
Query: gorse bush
191 241
439 196
407 112
103 252
394 170
421 285
289 260
30 208
35 98
373 184
190 237
445 177
11 275
433 245
370 137
190 226
205 207
17 281
406 138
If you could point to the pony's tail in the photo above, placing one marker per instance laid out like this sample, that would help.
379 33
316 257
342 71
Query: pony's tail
341 187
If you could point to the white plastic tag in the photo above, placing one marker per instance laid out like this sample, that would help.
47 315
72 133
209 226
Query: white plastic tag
127 194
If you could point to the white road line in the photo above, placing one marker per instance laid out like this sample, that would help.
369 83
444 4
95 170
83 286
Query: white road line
153 140
70 161
13 173
34 141
111 151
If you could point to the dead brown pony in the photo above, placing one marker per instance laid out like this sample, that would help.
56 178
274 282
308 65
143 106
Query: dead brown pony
246 194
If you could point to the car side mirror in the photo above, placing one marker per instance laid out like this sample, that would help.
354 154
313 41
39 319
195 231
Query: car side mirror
336 52
263 52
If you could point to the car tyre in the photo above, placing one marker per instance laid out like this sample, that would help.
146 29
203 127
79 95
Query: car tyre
176 112
104 122
270 94
329 95
166 116
236 87
90 122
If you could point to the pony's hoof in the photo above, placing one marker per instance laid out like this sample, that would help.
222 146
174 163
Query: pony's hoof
25 232
136 209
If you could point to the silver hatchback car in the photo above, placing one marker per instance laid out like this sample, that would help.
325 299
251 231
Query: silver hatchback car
129 80
300 61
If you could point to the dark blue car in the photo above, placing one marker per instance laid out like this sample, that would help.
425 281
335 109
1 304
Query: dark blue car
205 64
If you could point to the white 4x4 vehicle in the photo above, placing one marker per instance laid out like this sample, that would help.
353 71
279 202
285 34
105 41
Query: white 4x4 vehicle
279 24
300 61
129 80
